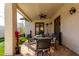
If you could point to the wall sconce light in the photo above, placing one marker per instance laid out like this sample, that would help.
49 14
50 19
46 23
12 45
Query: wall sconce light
72 10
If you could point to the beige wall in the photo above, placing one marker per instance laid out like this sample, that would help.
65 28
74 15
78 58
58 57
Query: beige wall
45 21
69 26
10 28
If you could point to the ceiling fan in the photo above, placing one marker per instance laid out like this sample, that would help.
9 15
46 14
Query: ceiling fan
42 16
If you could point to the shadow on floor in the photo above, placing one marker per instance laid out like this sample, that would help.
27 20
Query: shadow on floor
29 50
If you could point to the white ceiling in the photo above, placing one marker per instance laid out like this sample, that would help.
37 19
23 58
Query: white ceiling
34 9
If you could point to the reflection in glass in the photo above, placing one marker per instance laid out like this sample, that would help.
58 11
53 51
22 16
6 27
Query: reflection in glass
41 28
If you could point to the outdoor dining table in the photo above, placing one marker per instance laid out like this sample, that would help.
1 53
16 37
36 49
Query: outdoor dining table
35 38
39 38
53 40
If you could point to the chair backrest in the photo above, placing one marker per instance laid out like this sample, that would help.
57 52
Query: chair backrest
43 43
53 40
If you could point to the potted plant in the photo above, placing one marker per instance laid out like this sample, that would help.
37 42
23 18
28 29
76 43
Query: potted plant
41 32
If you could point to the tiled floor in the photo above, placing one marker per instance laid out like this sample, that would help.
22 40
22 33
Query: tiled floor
29 50
63 51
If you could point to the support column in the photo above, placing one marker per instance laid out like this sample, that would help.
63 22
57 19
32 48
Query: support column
10 28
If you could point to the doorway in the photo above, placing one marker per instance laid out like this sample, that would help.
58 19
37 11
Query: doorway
57 29
39 28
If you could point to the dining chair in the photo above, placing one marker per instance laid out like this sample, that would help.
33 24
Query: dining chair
43 46
53 42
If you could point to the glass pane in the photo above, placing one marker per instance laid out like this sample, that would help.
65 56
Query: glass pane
41 28
37 30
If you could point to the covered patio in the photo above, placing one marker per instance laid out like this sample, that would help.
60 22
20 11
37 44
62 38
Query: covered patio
57 20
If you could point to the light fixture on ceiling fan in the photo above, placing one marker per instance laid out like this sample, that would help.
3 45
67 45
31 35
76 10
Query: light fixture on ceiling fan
42 16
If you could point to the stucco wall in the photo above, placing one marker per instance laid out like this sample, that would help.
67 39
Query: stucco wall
69 26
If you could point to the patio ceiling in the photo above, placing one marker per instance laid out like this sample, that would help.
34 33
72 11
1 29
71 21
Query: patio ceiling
33 10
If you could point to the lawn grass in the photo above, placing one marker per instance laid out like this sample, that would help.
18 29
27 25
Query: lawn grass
1 48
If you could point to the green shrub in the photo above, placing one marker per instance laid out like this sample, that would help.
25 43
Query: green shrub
22 40
1 39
